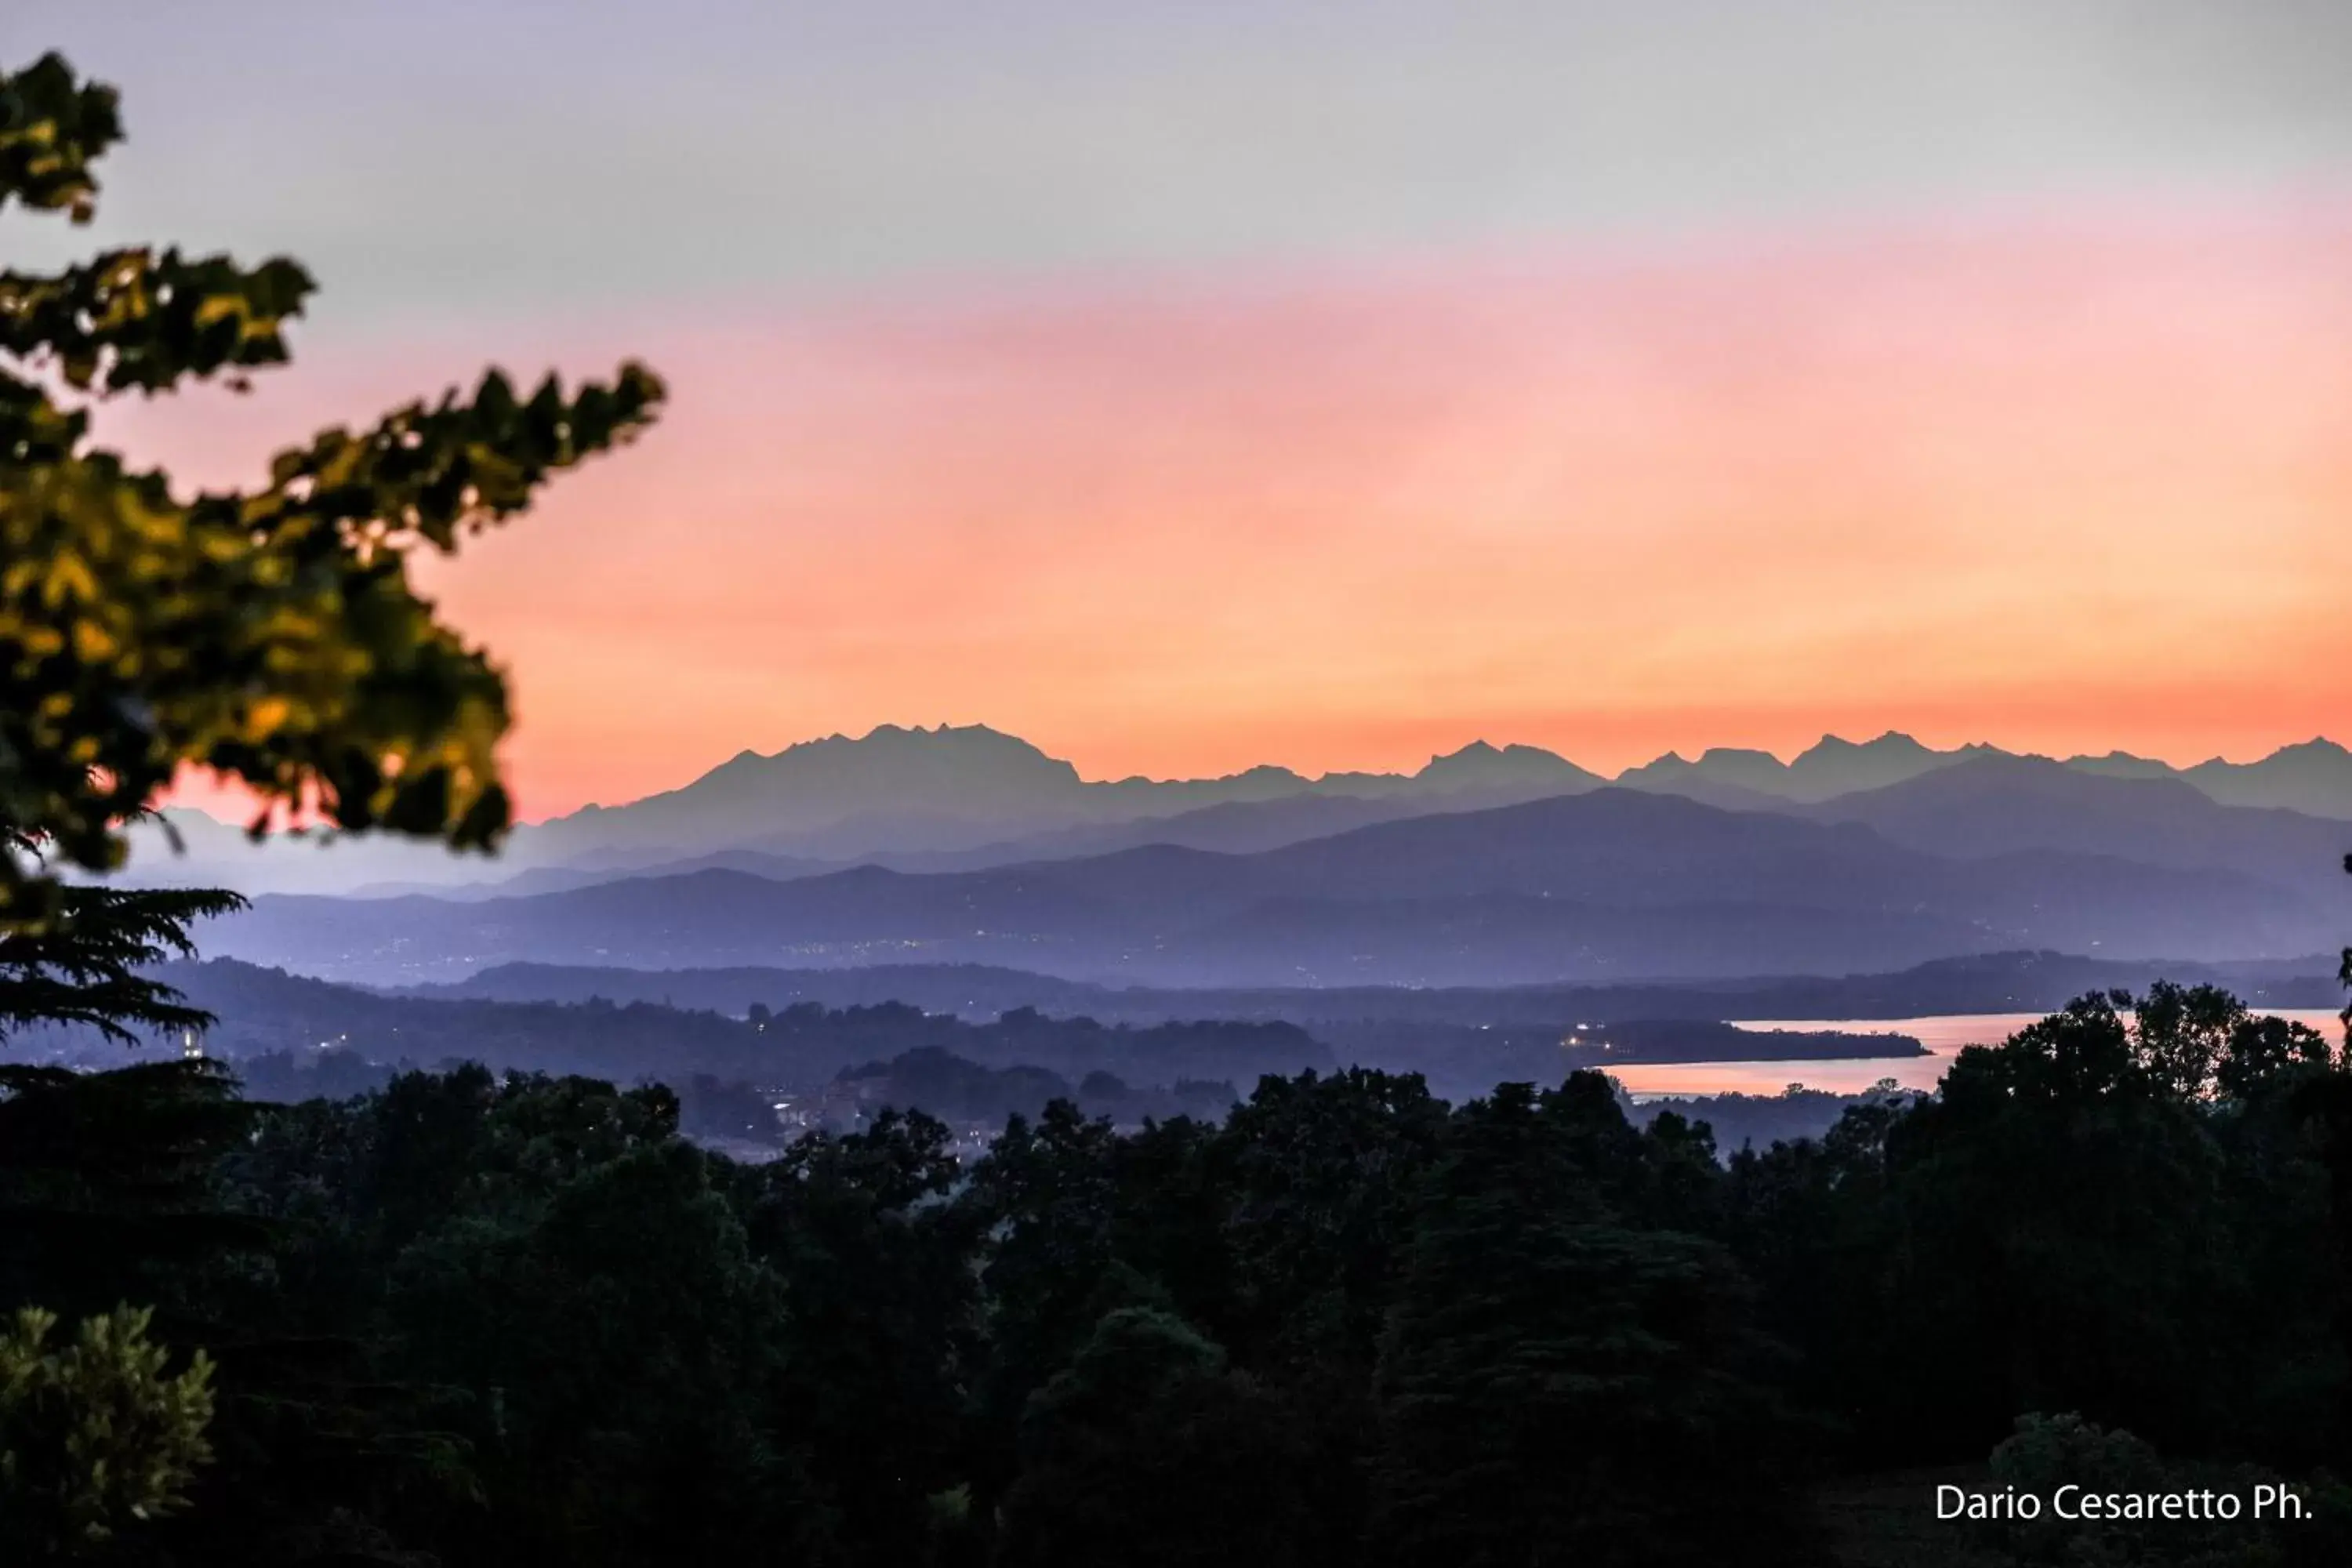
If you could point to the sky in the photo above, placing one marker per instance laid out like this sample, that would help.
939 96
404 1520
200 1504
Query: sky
1189 386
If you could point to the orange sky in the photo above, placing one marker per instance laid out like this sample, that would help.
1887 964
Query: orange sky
2060 484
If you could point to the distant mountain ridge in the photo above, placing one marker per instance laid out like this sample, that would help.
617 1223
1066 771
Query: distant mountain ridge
953 789
1995 805
970 797
1831 766
1604 885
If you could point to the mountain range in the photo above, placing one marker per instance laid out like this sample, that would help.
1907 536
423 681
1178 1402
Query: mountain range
1607 885
1488 866
969 798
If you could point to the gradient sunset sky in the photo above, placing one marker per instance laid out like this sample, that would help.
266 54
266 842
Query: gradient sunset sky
1187 386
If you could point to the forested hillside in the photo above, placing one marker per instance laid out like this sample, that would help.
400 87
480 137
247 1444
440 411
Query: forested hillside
522 1320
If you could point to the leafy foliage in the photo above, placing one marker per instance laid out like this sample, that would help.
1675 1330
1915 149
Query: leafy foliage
93 1434
1123 1447
883 1331
270 635
110 1185
1555 1370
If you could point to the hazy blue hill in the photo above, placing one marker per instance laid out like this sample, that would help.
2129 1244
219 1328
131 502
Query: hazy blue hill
563 879
1988 982
2315 777
262 1011
2312 777
1743 768
1612 847
1234 828
2003 804
1231 827
1613 883
1833 767
1517 939
1752 780
1676 774
2106 905
1626 849
2124 765
970 990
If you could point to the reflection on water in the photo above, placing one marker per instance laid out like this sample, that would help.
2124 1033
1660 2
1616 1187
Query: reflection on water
1943 1036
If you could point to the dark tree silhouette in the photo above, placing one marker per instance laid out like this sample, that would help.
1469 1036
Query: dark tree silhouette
83 965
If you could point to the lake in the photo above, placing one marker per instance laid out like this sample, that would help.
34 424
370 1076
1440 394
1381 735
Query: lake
1943 1036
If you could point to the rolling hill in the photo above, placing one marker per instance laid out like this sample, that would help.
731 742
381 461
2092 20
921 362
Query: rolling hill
1610 884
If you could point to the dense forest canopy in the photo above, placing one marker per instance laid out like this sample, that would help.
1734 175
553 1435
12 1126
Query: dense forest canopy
468 1318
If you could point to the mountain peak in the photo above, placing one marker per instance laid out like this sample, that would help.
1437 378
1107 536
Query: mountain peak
1835 766
1481 761
1893 742
1831 766
2122 764
2313 776
890 775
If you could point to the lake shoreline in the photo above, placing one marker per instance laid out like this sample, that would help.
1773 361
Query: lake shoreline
1942 1038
